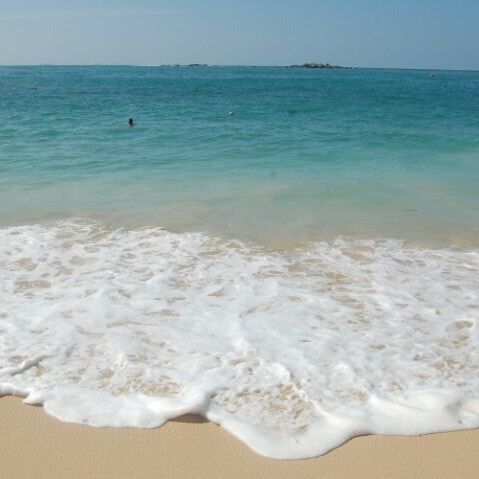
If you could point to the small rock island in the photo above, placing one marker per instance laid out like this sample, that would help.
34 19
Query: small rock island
315 65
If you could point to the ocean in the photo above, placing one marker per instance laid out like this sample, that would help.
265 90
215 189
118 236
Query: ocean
292 253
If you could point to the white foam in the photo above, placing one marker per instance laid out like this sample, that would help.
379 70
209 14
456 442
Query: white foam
294 352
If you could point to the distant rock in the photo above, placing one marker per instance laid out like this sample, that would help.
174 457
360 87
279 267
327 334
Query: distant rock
197 65
315 65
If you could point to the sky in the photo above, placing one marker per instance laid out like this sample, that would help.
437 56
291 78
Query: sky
365 33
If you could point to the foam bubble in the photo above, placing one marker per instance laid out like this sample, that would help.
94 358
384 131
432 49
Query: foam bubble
292 351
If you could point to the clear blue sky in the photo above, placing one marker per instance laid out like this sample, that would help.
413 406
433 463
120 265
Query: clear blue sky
375 33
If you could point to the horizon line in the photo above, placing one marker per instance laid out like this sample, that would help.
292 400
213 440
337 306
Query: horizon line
200 65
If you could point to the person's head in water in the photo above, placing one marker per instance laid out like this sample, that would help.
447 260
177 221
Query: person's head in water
130 122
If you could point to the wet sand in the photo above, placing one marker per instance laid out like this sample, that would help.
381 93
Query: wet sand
35 445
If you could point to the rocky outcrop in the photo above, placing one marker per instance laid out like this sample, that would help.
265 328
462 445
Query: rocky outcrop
315 65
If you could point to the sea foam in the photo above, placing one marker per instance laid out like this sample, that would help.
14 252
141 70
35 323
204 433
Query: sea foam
292 351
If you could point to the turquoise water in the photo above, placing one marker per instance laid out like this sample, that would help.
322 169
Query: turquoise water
307 155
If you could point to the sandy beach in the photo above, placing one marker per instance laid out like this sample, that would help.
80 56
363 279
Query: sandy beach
237 243
34 444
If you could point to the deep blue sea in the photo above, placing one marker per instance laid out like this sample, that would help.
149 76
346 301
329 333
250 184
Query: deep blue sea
293 254
308 154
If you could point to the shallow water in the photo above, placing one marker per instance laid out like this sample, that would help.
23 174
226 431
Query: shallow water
301 272
308 155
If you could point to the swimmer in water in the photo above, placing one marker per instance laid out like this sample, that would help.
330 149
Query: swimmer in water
130 122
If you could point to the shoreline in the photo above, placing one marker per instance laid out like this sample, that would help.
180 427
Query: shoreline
271 241
38 445
104 335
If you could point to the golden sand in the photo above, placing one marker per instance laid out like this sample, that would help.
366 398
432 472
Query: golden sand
35 445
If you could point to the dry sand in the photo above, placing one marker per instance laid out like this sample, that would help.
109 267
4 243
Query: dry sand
35 445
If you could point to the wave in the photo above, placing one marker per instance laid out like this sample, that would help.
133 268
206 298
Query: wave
293 351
